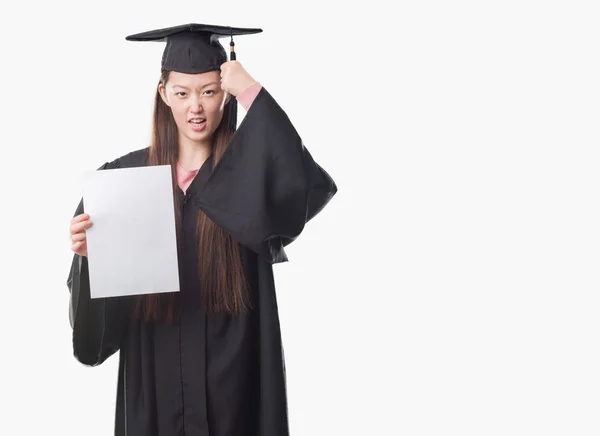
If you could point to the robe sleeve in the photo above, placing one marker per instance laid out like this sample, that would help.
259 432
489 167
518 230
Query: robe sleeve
97 323
266 186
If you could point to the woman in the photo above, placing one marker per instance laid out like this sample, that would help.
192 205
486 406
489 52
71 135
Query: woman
207 360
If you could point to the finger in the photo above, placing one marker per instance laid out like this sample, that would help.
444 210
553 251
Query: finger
80 217
76 246
79 227
78 237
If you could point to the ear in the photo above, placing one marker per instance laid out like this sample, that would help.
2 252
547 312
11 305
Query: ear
163 94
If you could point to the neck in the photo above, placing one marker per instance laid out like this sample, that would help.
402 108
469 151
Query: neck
192 154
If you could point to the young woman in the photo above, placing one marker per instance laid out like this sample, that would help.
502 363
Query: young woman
207 360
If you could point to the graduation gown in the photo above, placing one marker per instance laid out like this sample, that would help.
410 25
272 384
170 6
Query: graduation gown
223 375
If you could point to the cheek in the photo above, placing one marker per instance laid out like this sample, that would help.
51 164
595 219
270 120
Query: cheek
213 110
179 113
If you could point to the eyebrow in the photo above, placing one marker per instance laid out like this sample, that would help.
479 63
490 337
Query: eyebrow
204 86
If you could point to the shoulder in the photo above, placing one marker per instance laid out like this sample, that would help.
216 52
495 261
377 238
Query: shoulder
135 158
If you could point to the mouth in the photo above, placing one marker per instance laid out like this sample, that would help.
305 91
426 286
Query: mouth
198 124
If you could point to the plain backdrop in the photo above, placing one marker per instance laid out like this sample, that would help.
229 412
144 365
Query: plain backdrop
451 287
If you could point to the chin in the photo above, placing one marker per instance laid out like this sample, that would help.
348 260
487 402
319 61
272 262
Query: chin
198 136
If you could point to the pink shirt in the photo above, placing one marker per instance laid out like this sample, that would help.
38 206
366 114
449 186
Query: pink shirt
245 98
248 95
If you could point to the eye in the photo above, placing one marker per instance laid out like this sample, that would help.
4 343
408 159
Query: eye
180 94
209 92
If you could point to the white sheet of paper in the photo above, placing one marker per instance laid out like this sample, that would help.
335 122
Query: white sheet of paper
132 244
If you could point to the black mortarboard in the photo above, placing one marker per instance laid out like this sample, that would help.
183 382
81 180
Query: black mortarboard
195 48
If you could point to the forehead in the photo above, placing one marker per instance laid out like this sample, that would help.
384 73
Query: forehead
193 80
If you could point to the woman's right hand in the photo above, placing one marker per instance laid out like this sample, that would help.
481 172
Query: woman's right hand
79 224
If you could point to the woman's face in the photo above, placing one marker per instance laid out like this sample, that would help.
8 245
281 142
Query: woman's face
196 101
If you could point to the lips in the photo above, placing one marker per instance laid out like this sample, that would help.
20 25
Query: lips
197 123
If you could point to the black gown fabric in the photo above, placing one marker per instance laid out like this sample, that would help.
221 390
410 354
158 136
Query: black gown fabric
222 375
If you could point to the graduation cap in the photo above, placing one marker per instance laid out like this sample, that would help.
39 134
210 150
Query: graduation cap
195 48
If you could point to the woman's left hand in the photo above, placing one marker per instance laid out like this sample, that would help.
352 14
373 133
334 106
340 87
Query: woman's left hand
234 78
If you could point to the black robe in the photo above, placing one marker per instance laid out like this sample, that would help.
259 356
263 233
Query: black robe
221 376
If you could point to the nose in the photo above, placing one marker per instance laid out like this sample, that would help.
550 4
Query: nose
195 104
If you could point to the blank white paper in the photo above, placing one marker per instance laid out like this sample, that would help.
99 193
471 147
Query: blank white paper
132 244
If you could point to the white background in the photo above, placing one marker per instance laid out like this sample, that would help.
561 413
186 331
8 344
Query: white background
450 288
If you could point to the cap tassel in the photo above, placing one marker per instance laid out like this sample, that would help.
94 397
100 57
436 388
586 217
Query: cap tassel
233 102
232 114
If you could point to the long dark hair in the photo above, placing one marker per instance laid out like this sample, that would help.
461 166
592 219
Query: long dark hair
223 284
